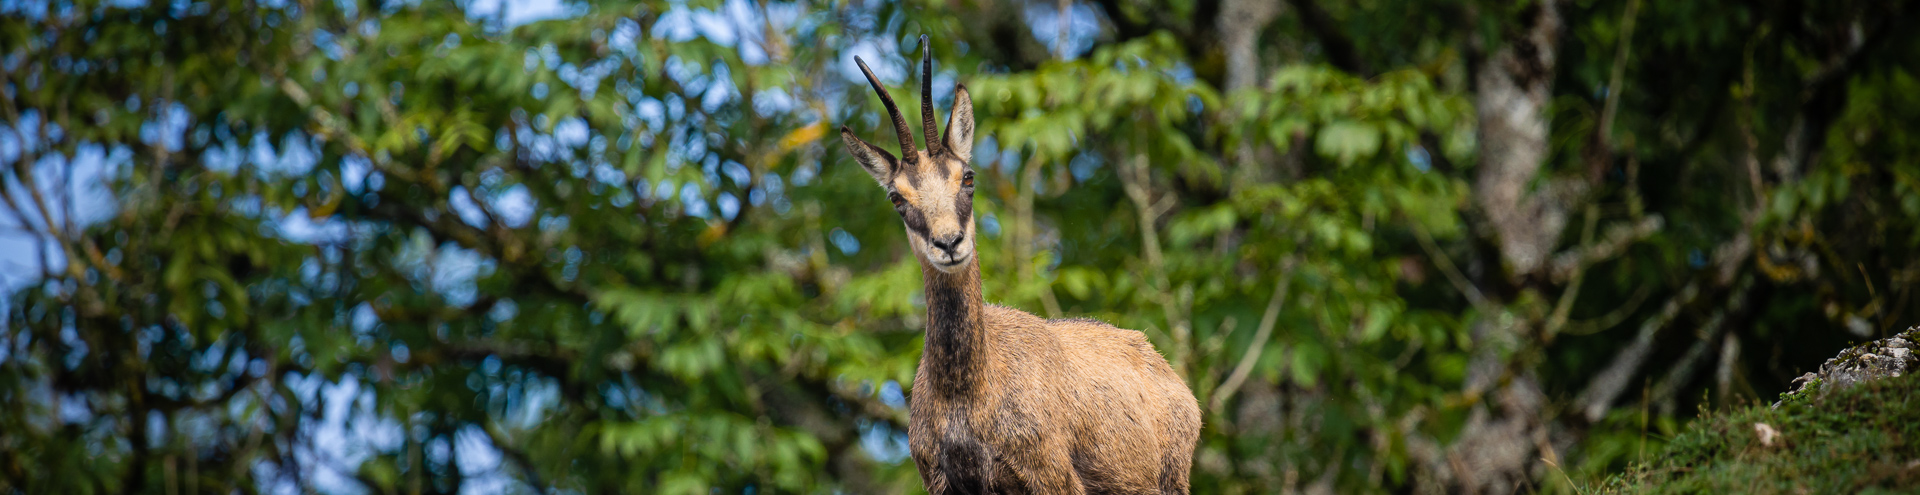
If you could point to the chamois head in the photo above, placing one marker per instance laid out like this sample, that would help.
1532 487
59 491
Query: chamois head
932 189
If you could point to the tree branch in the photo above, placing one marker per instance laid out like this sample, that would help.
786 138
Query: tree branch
1259 342
1825 95
1618 238
1607 385
1681 374
1452 272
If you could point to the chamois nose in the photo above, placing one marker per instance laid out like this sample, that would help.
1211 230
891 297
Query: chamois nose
949 242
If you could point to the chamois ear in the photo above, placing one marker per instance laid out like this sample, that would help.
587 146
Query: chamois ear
876 161
959 139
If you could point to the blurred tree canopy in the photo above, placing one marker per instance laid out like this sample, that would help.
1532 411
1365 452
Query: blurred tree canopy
1428 245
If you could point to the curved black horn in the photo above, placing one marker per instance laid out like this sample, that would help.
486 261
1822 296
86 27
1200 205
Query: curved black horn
927 114
899 124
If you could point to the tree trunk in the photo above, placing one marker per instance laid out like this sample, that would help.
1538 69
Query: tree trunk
1505 432
1514 85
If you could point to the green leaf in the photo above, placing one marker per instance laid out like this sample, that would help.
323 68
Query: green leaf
1347 141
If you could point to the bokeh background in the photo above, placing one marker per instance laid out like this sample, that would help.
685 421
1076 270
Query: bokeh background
336 246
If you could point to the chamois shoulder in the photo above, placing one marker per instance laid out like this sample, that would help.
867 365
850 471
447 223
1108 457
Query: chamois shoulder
1073 332
1090 326
1081 320
1012 317
1006 316
1100 337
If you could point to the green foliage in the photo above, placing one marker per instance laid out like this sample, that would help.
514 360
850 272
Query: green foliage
629 257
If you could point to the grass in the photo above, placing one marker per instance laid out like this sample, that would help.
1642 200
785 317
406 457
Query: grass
1862 440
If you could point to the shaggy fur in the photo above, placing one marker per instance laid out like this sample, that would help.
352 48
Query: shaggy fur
1006 402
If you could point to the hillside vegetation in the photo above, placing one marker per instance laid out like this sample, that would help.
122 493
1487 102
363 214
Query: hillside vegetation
1828 438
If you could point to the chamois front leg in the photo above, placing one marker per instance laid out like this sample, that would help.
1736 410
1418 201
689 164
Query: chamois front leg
1047 469
926 457
933 479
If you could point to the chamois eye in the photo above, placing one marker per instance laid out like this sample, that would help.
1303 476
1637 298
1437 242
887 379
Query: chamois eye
967 180
898 202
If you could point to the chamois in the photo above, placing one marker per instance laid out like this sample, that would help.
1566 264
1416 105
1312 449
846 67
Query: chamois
1004 401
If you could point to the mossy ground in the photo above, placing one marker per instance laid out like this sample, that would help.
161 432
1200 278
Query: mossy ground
1862 440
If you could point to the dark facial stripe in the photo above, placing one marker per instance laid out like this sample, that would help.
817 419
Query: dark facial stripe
963 205
915 220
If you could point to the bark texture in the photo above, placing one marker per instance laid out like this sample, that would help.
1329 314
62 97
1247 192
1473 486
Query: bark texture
1514 85
1505 431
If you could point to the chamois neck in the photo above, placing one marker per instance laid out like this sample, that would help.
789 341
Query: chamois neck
956 350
